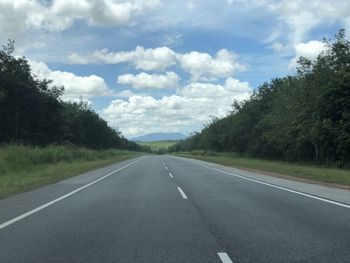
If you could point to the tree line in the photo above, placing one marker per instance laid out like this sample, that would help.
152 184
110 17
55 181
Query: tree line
300 117
32 111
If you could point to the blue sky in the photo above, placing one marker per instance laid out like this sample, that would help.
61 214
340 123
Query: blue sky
167 66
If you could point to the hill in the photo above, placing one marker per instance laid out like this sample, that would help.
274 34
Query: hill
160 136
157 146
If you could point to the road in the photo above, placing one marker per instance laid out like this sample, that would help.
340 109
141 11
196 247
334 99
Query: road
169 209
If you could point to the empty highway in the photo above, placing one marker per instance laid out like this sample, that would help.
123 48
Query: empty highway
170 209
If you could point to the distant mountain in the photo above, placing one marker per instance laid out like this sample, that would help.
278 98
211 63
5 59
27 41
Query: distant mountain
160 136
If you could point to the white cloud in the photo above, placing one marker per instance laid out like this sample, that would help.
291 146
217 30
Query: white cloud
246 2
309 50
150 81
201 66
18 15
147 59
171 39
232 88
75 86
302 16
277 46
145 113
186 111
125 93
15 16
191 5
237 87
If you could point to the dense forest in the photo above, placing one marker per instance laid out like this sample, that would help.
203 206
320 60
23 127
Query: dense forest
33 113
304 117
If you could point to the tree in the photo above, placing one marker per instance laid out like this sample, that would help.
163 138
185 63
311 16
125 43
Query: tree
305 117
31 111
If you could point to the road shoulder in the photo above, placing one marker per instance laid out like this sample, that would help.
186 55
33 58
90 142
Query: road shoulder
21 203
313 188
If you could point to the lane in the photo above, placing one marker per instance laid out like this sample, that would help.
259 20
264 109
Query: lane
331 193
135 215
19 204
46 205
258 223
273 185
166 209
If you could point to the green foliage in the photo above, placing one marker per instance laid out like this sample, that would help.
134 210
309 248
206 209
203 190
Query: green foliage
31 111
160 147
18 157
305 117
25 167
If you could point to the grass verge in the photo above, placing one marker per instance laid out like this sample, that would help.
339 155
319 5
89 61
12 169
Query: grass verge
303 171
24 168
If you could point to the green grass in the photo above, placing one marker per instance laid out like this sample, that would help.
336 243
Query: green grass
158 145
23 168
305 171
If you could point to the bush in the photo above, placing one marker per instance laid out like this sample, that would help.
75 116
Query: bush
18 157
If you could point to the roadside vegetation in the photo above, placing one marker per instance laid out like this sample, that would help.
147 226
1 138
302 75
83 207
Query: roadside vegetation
302 118
23 168
44 139
159 147
299 118
32 111
275 168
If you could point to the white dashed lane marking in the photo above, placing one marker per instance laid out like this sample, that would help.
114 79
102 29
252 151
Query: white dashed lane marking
184 196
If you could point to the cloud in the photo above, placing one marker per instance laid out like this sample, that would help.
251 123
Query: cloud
150 81
15 16
18 15
75 86
232 88
125 93
202 66
309 50
288 21
277 46
146 59
145 113
185 111
300 17
191 5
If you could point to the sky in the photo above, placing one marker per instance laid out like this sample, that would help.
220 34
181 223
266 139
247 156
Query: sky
162 65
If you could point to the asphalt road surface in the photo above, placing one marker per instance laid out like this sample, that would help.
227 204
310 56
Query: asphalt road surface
169 209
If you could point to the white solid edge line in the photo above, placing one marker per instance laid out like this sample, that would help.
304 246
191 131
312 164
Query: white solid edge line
184 196
171 175
276 186
31 212
224 257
